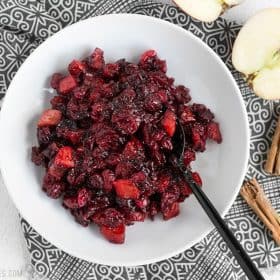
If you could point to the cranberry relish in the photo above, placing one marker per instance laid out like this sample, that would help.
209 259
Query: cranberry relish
106 140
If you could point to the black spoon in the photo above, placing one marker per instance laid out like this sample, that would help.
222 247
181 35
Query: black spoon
241 256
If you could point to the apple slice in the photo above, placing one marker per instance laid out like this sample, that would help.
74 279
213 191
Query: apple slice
256 53
206 10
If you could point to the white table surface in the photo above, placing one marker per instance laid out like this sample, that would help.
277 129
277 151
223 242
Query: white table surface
14 258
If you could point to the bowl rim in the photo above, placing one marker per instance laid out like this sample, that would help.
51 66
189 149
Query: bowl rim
211 52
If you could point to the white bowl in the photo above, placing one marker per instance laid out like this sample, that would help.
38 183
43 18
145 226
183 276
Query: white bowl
193 64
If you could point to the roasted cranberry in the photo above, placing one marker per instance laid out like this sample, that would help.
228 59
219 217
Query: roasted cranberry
170 196
75 137
153 103
160 65
142 202
113 159
139 177
213 132
85 123
51 150
80 92
171 211
59 103
97 59
75 178
134 216
126 120
45 135
96 181
88 79
108 90
81 217
107 138
162 95
124 169
99 202
158 156
70 133
37 157
166 143
153 209
182 95
125 204
76 67
84 196
202 112
126 96
148 55
198 137
98 110
189 156
158 135
109 217
108 178
161 79
54 190
186 115
162 182
48 179
56 77
196 178
134 149
98 159
71 202
185 189
56 171
111 69
76 110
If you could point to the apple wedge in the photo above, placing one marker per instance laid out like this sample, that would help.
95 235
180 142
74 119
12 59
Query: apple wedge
206 10
256 53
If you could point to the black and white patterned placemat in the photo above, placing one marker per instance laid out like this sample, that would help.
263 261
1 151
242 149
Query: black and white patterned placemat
24 24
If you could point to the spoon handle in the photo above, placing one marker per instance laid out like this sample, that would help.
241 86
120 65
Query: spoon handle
241 256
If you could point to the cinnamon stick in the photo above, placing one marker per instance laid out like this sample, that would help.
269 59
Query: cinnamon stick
254 195
272 165
277 164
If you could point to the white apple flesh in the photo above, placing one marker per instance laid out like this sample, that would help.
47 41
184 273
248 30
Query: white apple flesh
232 2
256 53
206 10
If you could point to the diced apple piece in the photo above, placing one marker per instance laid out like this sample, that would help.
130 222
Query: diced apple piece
64 157
49 117
169 122
206 10
66 85
126 189
171 211
76 67
256 53
115 235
